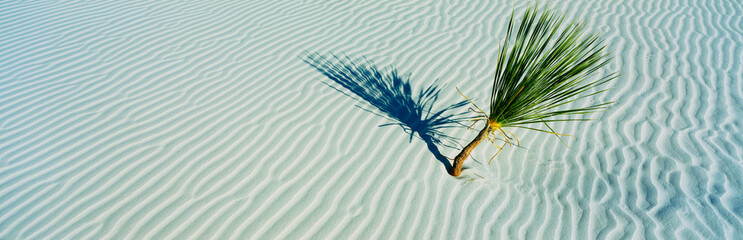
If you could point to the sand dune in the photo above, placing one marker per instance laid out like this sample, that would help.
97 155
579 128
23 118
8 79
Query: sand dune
201 120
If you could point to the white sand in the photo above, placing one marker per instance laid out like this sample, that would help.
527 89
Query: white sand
199 119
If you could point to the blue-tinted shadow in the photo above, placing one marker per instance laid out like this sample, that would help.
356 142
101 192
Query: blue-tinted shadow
393 97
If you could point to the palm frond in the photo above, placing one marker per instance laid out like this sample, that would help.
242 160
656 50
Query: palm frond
542 66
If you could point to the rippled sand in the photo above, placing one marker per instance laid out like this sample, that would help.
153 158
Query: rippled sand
203 120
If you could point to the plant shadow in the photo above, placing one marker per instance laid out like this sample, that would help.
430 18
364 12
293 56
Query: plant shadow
393 97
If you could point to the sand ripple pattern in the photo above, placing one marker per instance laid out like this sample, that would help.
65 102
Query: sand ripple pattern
199 119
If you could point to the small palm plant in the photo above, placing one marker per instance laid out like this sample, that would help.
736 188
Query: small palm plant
542 67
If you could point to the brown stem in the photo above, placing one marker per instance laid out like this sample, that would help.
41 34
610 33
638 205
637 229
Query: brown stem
459 160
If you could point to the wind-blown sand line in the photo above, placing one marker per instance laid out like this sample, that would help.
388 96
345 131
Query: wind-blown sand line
111 124
368 181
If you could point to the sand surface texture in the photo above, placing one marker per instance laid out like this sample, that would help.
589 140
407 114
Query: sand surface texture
206 119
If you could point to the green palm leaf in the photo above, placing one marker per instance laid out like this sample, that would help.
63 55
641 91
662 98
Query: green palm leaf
543 65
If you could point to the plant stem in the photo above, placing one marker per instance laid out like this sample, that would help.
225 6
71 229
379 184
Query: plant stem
459 160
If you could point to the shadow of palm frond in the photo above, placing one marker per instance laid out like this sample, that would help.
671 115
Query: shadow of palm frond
392 95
